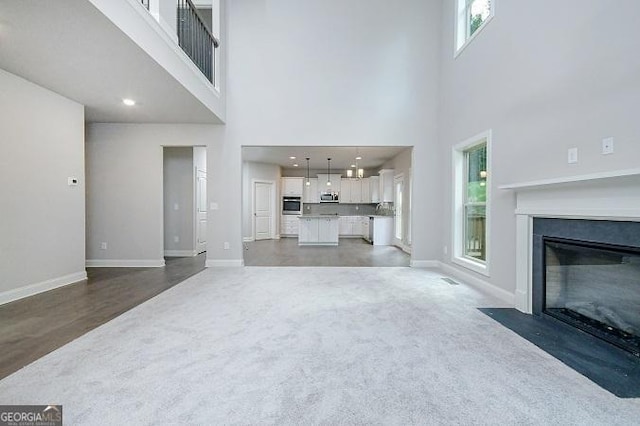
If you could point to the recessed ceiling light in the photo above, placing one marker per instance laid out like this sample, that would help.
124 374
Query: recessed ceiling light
353 165
292 158
295 165
358 158
129 102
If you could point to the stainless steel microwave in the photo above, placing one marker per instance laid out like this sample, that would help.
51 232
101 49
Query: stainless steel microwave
328 197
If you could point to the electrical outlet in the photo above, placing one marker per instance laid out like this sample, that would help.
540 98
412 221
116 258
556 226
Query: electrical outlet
103 246
176 239
226 245
607 146
572 155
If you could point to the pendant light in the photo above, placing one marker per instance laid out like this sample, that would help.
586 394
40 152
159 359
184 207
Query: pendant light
328 171
308 182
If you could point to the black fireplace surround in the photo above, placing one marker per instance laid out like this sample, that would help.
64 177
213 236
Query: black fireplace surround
586 273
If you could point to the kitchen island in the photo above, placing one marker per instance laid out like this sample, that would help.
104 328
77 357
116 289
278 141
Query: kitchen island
318 230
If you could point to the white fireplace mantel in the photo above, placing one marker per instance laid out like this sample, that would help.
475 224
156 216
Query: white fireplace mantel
600 196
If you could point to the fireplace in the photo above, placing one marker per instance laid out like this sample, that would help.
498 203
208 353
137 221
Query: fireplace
586 273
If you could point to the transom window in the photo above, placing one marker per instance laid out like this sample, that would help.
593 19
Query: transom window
472 15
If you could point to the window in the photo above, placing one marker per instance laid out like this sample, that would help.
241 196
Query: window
471 207
472 16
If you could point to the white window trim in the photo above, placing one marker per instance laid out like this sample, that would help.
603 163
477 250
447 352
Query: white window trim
458 50
457 232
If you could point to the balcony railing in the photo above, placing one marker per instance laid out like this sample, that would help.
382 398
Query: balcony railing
196 40
145 3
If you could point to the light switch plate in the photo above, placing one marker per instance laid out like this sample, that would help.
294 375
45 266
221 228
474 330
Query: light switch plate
607 146
572 155
213 206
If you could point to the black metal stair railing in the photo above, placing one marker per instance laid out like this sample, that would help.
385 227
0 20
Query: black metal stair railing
196 40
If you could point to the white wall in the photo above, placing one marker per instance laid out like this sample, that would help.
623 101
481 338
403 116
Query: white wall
267 172
334 73
125 195
545 76
179 207
42 224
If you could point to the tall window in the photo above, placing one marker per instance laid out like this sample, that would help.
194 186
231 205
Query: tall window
475 202
472 15
472 197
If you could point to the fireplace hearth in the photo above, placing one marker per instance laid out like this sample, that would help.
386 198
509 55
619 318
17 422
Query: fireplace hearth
586 273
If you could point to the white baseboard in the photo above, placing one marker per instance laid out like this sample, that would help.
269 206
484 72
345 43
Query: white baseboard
41 287
180 253
501 294
424 264
124 263
224 263
248 239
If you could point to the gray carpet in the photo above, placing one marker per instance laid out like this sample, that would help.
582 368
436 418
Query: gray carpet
312 346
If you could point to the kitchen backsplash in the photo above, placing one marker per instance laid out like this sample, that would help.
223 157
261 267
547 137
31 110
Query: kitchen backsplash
347 209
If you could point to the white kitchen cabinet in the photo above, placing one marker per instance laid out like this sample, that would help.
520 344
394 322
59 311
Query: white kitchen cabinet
311 191
366 191
318 230
289 225
292 186
309 230
335 180
345 191
365 227
351 191
356 191
350 226
382 230
328 231
386 185
356 226
374 188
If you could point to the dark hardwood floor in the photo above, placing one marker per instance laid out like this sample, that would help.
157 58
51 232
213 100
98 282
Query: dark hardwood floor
34 326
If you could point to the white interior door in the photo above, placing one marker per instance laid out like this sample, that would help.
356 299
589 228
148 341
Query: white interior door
263 210
201 211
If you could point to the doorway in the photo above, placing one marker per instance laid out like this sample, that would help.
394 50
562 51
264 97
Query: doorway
185 201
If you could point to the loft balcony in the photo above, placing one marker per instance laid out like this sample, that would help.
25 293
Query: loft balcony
165 54
193 31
